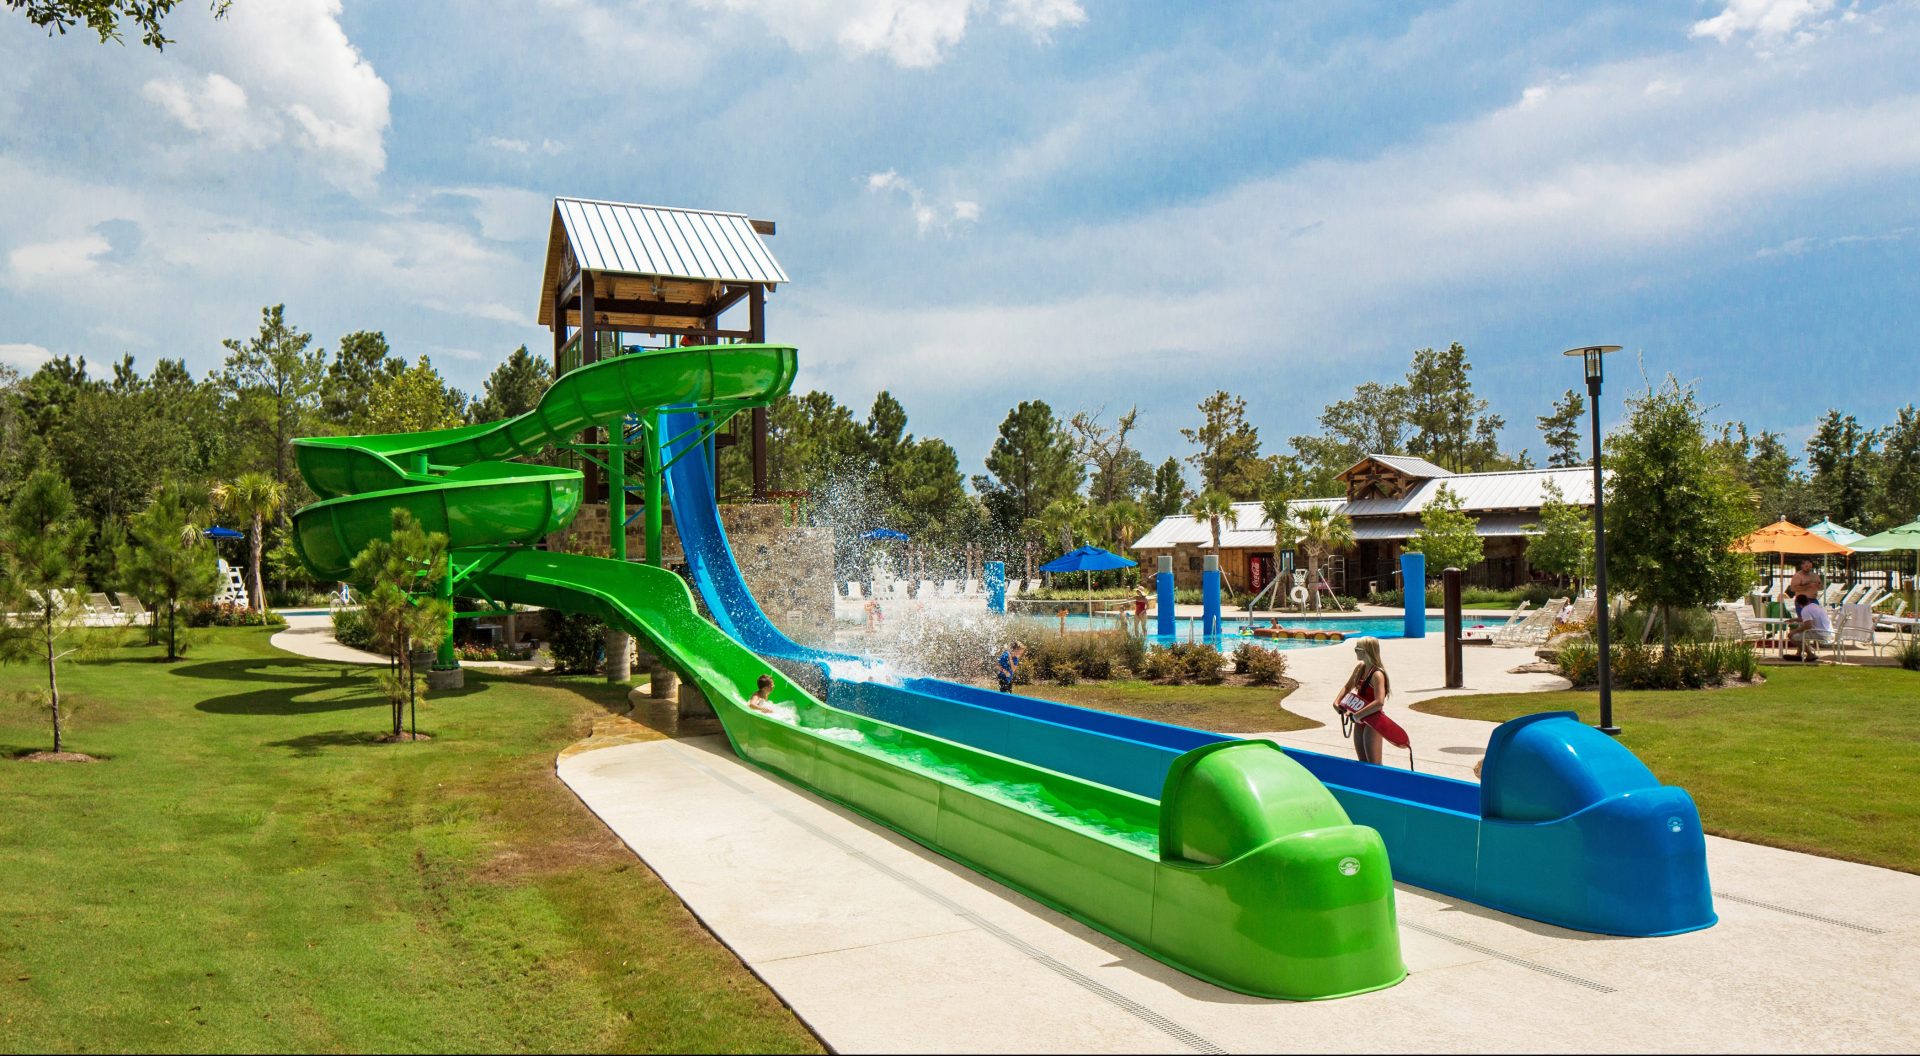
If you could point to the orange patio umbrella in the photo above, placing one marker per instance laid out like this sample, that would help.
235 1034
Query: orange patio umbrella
1785 537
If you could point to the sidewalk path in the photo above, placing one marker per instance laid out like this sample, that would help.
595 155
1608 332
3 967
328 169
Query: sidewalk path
311 635
883 946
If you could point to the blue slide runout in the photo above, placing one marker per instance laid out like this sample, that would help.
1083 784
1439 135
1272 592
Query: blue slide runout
1567 826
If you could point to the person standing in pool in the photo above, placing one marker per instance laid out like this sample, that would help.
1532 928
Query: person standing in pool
1364 693
1139 609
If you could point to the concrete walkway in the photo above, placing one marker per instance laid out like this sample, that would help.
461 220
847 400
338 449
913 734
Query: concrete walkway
882 945
311 635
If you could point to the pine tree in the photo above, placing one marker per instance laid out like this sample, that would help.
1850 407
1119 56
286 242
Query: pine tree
43 550
1560 430
1228 455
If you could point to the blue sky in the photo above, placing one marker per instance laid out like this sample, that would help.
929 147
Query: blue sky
982 201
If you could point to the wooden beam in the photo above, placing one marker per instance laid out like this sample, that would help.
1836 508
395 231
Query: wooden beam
757 332
761 227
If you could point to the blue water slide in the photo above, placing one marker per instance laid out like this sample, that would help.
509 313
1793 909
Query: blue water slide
1567 826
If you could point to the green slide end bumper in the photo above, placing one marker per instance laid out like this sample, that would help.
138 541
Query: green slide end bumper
1246 872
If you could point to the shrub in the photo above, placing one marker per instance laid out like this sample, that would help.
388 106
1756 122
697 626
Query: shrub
488 651
1692 665
1579 662
1264 667
1160 665
1094 656
1199 662
1065 672
227 614
574 642
1243 656
352 629
1908 653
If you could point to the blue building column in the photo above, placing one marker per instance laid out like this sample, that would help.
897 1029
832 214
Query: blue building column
996 573
1413 594
1163 591
1210 597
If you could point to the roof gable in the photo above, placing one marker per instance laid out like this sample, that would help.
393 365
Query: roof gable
678 254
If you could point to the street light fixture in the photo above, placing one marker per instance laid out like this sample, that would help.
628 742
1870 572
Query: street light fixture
1590 357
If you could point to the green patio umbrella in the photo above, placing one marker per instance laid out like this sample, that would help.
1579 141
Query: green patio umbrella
1905 537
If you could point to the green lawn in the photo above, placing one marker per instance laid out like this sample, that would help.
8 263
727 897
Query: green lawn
249 870
1821 759
1222 709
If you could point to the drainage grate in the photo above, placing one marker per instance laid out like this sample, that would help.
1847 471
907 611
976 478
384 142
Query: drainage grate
1051 963
1532 966
1801 913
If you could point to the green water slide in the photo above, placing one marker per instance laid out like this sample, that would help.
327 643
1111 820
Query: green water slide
1245 872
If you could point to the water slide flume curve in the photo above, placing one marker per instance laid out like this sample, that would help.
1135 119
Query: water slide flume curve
1240 868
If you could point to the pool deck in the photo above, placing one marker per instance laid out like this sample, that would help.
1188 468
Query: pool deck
883 946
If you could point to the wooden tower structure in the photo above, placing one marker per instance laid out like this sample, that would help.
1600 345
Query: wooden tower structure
614 269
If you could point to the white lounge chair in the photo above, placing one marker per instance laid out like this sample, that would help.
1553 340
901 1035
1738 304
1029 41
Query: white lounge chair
1732 624
970 588
1535 629
949 588
1485 634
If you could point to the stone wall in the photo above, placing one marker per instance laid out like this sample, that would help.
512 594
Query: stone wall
788 568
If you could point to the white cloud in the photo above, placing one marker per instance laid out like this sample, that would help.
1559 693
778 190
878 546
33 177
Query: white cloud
282 72
508 146
1041 17
913 34
56 260
927 216
1762 20
213 105
23 357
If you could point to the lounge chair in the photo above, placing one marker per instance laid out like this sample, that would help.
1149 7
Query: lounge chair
1485 634
1855 627
1889 621
1534 629
1581 610
949 588
136 612
926 589
1730 624
102 609
970 588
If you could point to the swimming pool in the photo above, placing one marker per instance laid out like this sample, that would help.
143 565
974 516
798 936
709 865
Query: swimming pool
1233 628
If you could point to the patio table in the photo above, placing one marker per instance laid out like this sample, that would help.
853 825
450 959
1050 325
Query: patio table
1783 624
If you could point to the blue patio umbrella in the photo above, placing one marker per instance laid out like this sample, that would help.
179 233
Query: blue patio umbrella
886 534
1088 559
217 532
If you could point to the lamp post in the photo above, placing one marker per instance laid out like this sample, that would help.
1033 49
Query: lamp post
1590 358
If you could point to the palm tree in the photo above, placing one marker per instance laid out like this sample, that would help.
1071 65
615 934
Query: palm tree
1210 507
257 496
1278 510
1322 531
1120 522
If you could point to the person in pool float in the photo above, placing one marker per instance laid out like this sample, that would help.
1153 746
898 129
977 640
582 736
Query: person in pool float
1368 684
762 699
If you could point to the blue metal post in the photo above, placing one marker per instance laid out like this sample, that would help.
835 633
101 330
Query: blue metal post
1163 591
1210 598
996 572
1413 594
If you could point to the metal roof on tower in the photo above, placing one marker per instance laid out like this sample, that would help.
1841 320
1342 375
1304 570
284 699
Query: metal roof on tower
656 243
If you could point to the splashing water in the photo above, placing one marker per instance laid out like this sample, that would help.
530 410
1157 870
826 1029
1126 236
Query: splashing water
863 671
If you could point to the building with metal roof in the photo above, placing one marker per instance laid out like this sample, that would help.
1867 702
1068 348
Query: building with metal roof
613 268
1385 496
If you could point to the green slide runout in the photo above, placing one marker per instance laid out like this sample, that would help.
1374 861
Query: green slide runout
1246 872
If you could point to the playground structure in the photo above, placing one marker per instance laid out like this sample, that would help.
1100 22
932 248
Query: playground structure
1235 861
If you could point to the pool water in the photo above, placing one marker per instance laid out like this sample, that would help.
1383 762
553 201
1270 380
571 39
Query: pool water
1233 630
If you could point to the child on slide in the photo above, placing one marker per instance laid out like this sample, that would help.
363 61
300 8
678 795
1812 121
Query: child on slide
762 699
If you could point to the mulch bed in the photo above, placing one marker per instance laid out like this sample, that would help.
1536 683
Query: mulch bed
397 738
57 757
